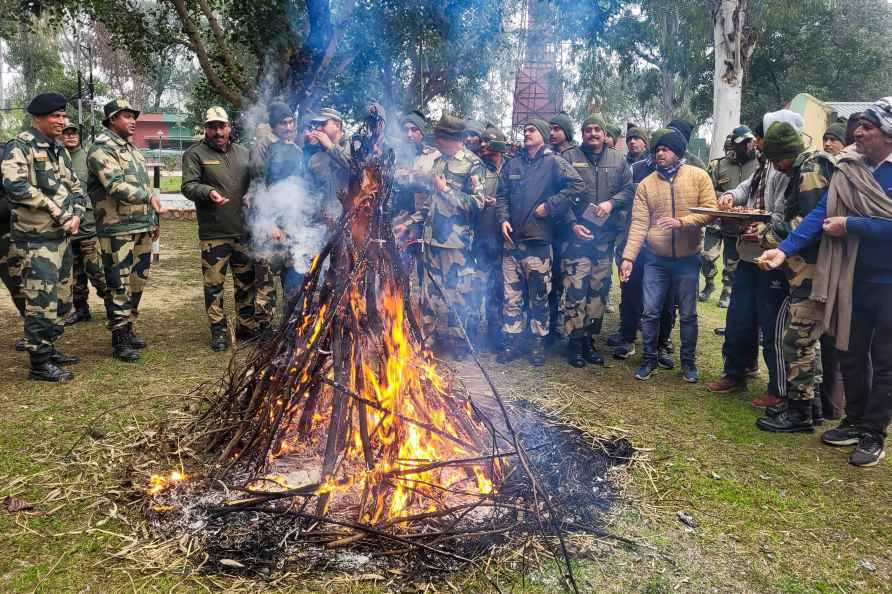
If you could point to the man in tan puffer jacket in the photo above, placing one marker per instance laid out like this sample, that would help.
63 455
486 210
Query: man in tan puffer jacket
662 220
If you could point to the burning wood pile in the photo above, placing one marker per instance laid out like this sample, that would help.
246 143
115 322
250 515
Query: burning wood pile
343 430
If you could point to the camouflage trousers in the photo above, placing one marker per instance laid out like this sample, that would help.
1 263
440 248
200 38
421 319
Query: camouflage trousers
585 280
265 296
715 245
44 269
526 273
452 271
801 348
126 260
217 255
86 266
13 283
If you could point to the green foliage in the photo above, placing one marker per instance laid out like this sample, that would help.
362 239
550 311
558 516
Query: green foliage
833 50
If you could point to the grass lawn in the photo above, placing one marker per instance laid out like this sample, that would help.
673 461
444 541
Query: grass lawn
774 513
170 184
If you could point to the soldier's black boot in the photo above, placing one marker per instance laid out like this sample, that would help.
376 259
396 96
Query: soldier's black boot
219 338
509 351
494 336
537 352
794 418
817 410
60 359
121 348
135 341
724 299
575 356
20 345
707 291
81 313
590 353
43 369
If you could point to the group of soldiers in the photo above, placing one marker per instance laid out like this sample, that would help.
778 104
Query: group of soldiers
70 215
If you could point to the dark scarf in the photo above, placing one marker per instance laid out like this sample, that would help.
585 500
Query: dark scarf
668 173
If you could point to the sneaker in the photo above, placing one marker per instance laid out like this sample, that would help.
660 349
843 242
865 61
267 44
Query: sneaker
845 434
766 400
690 373
664 359
726 383
615 340
624 351
646 370
869 452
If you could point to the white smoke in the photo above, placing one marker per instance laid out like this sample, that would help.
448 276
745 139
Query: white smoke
303 216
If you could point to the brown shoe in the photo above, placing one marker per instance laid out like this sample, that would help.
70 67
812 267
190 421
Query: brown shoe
726 384
766 400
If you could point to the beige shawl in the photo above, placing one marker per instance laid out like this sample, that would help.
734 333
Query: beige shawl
853 192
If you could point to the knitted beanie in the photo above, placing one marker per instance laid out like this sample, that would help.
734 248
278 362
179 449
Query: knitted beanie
782 142
566 124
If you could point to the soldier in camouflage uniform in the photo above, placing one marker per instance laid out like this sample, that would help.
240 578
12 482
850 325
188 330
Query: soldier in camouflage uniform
47 207
85 251
447 219
738 164
13 283
126 209
415 161
488 241
535 191
216 178
587 252
810 174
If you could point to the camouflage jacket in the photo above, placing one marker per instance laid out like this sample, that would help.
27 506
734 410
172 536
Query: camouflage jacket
413 179
78 164
329 172
726 175
809 180
43 191
449 216
118 184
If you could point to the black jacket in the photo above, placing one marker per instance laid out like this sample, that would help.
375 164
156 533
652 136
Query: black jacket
525 183
607 177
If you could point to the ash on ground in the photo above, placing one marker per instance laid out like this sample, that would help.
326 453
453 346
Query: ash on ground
572 468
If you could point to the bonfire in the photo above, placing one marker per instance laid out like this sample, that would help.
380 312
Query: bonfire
346 425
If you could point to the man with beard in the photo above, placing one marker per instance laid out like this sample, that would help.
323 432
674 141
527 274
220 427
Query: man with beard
853 279
636 144
587 250
216 179
738 164
535 191
127 210
661 219
473 135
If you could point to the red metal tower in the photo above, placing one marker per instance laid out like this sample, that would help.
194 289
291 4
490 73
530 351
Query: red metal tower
538 92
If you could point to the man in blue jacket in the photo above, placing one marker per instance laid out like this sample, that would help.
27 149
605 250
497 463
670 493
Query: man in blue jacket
854 280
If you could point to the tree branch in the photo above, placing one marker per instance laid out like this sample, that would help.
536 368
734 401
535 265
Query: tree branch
220 36
197 44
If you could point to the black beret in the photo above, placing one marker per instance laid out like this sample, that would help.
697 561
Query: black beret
46 103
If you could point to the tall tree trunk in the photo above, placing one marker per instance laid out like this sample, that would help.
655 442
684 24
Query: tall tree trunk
733 43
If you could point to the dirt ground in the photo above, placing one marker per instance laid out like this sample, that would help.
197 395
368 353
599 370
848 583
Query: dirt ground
763 513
